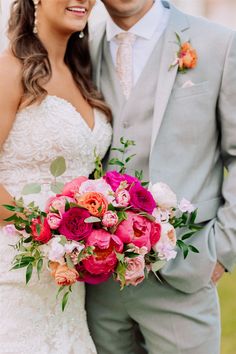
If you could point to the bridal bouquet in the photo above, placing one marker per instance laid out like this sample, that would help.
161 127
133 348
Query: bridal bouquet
115 225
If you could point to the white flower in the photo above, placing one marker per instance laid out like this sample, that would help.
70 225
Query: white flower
185 206
97 185
161 215
70 247
166 245
163 195
56 250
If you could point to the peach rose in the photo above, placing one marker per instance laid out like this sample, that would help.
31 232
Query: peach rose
94 202
63 275
187 57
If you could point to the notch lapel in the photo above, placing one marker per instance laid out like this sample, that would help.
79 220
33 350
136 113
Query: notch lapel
177 24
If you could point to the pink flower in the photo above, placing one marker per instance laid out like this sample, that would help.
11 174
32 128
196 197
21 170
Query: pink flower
42 232
71 188
140 198
122 198
58 203
138 230
97 185
110 219
134 249
104 259
9 230
134 274
73 225
185 206
114 179
54 220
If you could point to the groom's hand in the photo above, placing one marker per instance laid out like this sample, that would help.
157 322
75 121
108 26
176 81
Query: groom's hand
218 273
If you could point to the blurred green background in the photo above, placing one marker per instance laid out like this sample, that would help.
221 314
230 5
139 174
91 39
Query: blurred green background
227 294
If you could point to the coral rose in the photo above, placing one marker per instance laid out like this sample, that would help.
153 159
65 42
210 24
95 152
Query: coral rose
104 259
137 230
63 275
94 202
73 225
54 220
187 57
41 231
72 188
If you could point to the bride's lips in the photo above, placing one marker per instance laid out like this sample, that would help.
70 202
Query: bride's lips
79 11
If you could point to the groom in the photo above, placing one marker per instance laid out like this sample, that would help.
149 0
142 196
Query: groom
184 125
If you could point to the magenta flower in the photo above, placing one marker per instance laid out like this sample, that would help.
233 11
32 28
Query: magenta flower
89 278
73 225
141 198
114 179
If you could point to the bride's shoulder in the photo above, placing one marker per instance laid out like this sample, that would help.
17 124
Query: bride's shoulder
10 66
10 75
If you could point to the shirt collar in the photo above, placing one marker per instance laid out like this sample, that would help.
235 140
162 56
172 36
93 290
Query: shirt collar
144 28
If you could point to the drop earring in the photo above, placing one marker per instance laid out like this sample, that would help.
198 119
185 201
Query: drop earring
35 29
81 35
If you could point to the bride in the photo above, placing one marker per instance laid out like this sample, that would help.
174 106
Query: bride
48 108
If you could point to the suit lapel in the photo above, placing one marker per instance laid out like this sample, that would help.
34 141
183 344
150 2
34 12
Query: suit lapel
177 24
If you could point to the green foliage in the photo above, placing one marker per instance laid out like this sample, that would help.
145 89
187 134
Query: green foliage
58 166
31 188
122 163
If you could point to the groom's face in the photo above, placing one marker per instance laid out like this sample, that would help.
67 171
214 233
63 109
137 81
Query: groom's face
127 8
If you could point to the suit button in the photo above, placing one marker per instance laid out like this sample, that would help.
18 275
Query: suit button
125 124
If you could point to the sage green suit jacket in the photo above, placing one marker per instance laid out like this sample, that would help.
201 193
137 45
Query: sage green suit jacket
194 139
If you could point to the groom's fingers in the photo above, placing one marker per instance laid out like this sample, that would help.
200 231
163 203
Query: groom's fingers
218 273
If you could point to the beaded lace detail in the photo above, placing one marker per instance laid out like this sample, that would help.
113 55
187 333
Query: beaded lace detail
32 321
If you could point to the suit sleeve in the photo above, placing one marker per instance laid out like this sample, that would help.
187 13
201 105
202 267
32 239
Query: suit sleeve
225 226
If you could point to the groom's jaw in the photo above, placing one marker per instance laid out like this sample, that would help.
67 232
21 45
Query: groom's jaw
126 13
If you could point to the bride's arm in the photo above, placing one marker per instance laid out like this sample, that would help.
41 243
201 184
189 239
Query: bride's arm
10 97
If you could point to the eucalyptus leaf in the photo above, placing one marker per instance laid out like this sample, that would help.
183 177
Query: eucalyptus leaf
57 187
187 235
91 220
158 265
31 188
58 166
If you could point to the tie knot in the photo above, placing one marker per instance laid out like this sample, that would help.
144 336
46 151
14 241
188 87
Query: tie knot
126 38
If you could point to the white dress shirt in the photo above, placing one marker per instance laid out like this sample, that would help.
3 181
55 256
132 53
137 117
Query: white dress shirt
148 31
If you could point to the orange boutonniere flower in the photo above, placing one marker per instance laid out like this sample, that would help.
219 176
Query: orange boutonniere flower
186 56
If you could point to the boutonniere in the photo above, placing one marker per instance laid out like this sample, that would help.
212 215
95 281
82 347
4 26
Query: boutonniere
186 57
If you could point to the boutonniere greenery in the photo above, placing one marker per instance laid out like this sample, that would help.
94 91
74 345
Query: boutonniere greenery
186 57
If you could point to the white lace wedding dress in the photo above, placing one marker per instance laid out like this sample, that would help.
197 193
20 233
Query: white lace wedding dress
31 319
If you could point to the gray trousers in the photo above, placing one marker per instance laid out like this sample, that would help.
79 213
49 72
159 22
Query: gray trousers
172 322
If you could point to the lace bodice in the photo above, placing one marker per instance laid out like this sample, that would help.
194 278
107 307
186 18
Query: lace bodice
42 133
32 319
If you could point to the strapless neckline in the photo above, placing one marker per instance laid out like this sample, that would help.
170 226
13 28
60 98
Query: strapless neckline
96 113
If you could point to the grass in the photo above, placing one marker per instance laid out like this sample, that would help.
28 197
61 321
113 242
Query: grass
227 293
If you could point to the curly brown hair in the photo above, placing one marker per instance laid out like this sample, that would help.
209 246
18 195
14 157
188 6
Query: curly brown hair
36 68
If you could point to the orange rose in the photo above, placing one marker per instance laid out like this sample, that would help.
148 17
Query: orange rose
63 275
187 57
94 202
